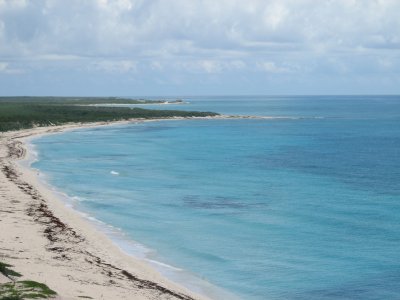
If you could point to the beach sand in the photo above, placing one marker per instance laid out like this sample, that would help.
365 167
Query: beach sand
48 242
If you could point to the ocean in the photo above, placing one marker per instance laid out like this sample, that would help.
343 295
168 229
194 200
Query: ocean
306 206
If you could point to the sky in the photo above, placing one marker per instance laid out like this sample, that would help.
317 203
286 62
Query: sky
199 47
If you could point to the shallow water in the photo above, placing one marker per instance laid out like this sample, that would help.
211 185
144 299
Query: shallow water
299 208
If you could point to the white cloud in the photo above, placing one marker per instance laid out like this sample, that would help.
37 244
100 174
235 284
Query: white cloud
102 27
211 66
156 65
199 38
112 66
13 4
6 69
385 63
115 5
58 57
271 67
275 14
3 66
237 64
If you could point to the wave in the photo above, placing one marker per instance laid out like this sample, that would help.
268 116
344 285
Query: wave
163 264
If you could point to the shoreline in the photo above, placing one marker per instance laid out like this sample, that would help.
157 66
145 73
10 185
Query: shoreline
49 242
119 238
70 253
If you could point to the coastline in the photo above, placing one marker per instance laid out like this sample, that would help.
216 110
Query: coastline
49 242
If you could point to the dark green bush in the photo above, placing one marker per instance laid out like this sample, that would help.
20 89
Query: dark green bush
26 112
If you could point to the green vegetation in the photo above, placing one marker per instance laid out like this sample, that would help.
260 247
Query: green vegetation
26 289
26 112
6 271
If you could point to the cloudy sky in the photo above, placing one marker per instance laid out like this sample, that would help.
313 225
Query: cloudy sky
199 47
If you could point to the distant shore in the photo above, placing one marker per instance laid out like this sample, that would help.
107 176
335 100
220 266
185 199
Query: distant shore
50 243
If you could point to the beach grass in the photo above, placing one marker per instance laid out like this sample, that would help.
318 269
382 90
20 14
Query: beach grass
6 271
25 289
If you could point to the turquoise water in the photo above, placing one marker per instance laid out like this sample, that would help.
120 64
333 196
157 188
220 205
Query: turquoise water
301 208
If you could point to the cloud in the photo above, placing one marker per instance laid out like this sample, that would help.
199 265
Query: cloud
13 4
135 26
6 69
57 57
211 66
271 67
3 66
223 37
112 66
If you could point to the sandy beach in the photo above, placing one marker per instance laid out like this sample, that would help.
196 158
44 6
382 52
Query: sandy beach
48 242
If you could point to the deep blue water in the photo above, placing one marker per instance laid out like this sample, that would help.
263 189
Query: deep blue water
300 208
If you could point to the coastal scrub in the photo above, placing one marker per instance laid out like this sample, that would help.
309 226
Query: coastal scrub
26 112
